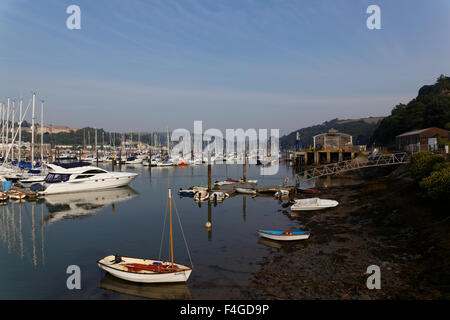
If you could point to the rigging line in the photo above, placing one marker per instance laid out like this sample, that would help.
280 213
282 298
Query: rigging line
163 229
182 232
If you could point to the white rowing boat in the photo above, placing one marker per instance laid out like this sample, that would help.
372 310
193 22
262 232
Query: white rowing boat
313 204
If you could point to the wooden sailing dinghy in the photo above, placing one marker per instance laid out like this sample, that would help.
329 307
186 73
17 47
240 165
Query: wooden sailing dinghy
147 270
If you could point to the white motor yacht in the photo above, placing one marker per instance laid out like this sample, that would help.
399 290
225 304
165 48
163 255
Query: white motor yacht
77 177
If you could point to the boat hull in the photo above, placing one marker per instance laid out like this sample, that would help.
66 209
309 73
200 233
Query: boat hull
273 235
168 277
107 182
313 204
294 208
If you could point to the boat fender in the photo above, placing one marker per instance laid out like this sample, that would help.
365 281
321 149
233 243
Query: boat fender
287 233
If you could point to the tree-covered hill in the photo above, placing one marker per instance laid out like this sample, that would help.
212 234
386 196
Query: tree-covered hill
431 108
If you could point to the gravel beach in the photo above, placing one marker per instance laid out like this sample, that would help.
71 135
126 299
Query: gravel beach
384 220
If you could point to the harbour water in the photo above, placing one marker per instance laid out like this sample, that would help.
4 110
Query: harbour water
39 240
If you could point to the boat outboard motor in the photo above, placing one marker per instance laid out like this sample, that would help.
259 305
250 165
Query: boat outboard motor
117 258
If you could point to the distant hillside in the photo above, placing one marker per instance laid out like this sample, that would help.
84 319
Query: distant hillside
75 137
431 108
361 130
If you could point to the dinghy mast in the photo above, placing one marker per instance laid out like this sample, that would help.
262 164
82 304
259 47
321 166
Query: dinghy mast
170 221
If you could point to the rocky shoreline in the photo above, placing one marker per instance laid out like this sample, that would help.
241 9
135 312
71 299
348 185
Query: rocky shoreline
386 221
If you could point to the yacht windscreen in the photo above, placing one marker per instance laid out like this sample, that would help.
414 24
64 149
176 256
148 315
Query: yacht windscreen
56 177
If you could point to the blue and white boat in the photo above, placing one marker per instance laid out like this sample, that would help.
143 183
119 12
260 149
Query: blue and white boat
187 192
284 235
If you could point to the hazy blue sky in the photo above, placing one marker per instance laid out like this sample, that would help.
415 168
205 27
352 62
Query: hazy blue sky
145 65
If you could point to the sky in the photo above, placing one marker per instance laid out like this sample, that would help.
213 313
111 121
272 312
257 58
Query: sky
147 65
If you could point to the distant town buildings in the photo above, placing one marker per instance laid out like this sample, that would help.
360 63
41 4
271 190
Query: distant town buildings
49 129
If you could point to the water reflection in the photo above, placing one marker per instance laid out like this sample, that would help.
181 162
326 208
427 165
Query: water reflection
174 291
73 205
22 224
270 243
13 235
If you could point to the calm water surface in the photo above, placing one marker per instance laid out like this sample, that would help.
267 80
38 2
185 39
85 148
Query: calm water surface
39 240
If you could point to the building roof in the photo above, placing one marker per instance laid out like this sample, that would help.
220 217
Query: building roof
332 132
414 132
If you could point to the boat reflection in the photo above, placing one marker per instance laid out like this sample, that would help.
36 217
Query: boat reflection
270 243
73 205
156 291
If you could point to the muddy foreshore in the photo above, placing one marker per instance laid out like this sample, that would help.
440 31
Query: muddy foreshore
386 221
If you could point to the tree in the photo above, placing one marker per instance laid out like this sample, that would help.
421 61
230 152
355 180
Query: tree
423 164
437 183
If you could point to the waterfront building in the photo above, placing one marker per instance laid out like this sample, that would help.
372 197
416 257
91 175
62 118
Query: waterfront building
421 140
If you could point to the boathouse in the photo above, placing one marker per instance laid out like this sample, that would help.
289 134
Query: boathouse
331 146
333 140
421 140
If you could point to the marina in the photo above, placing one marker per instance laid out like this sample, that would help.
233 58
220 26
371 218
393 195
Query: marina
267 152
57 229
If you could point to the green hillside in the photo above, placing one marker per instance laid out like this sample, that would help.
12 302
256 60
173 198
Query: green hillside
431 108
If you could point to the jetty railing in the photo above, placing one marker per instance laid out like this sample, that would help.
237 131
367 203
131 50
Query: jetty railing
353 164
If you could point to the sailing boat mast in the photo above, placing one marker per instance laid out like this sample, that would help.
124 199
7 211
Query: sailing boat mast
3 128
42 132
7 125
12 129
32 130
20 132
170 220
168 143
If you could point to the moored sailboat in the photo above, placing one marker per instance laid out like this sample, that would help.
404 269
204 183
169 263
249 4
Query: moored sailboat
147 270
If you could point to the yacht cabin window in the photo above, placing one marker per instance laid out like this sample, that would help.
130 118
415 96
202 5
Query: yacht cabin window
57 177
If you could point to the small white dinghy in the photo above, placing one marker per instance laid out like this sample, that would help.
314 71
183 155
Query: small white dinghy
218 196
147 270
284 235
313 204
281 193
144 270
15 194
201 195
